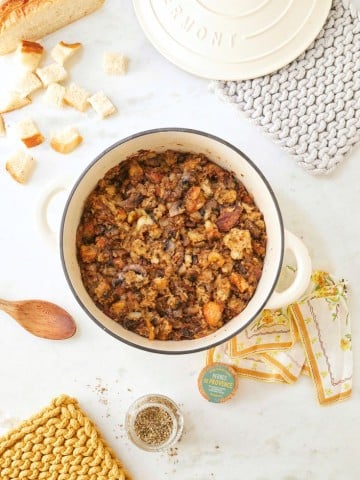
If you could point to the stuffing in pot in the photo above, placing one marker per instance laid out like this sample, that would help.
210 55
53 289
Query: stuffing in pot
170 245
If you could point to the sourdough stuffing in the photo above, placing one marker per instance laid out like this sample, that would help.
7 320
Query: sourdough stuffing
170 245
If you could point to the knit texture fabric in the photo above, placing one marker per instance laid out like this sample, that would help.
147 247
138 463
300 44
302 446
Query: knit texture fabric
310 107
59 443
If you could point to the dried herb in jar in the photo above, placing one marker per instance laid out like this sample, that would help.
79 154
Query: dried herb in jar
153 425
154 422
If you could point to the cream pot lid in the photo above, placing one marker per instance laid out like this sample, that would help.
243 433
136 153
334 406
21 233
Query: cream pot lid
231 39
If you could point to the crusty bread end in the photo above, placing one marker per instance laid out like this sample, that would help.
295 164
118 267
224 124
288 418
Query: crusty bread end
33 19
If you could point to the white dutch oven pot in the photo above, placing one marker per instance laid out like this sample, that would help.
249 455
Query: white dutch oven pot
227 156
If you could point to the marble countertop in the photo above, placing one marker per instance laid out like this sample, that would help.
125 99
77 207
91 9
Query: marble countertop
267 431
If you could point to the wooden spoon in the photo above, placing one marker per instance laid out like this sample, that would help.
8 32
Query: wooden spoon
41 318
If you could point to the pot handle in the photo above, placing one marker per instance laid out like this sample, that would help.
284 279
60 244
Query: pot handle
50 232
302 276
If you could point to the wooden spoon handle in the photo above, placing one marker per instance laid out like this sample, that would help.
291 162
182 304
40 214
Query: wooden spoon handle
7 307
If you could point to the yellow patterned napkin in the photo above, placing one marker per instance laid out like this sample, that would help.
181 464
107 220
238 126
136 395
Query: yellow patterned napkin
311 337
60 442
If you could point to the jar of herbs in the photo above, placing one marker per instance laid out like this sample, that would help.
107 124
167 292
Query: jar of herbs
154 422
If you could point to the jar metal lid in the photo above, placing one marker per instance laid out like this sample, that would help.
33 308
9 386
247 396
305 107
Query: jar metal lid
217 382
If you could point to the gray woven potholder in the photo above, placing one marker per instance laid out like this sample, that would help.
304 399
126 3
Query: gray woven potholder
311 107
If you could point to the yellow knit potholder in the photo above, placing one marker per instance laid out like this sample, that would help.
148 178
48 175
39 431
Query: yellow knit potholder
58 443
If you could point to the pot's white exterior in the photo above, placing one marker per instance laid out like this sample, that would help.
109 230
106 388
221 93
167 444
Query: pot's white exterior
226 156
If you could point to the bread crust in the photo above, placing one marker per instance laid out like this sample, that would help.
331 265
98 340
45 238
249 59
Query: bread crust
31 47
11 11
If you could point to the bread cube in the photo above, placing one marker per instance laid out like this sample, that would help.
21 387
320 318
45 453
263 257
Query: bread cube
63 51
77 97
66 141
28 84
115 63
29 54
101 104
20 166
51 74
29 133
12 101
55 94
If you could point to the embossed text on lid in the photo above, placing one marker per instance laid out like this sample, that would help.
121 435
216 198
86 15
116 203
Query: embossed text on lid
228 39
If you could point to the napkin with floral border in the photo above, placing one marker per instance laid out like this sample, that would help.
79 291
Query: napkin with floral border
310 337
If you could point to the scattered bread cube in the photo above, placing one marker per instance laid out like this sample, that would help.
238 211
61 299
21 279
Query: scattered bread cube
29 133
28 84
20 166
63 51
77 97
115 63
2 127
29 54
66 141
12 101
51 74
101 104
55 94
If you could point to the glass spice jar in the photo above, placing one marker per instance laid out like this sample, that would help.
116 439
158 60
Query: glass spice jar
154 422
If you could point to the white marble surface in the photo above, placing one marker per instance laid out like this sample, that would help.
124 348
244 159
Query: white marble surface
268 431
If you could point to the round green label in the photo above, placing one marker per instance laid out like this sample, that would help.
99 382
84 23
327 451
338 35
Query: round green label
217 382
